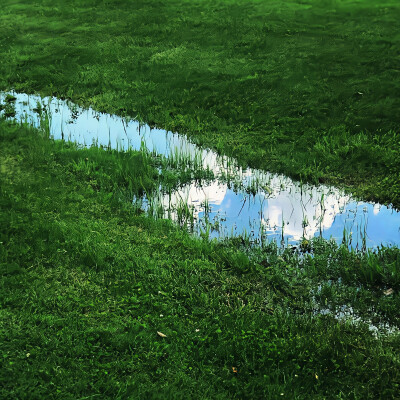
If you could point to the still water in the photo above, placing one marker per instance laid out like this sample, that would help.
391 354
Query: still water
258 204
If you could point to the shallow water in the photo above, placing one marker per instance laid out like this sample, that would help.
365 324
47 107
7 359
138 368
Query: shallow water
247 202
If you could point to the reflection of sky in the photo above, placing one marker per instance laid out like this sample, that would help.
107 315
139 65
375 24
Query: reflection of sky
380 227
241 213
280 203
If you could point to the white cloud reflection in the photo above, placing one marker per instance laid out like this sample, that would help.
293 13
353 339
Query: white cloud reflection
301 210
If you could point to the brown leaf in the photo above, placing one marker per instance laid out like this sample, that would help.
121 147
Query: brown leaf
234 369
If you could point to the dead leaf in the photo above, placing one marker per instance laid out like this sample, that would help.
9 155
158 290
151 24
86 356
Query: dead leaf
161 334
388 292
234 369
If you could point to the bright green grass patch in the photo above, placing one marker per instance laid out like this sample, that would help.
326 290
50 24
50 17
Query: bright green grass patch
86 284
307 88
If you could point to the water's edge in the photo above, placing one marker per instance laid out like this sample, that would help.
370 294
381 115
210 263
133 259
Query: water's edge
253 203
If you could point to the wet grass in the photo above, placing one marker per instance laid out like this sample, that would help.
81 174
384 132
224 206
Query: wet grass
99 301
305 88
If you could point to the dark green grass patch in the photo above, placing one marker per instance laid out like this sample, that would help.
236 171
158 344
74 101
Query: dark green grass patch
307 88
96 301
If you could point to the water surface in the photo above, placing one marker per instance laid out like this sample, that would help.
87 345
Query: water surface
250 202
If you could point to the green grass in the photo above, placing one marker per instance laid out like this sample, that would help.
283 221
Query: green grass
307 88
86 284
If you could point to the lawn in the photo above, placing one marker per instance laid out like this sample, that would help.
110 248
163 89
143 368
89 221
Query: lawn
89 288
98 300
314 84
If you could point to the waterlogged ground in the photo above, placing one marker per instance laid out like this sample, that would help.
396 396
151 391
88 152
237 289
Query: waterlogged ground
236 202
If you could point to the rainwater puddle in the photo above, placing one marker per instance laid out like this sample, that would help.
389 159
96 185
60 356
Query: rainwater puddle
346 313
238 202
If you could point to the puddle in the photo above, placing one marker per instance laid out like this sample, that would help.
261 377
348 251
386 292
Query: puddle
253 203
346 313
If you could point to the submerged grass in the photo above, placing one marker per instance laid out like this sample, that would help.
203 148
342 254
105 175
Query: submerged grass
96 300
307 88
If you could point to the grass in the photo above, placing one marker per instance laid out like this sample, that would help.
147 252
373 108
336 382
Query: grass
98 300
313 84
87 284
